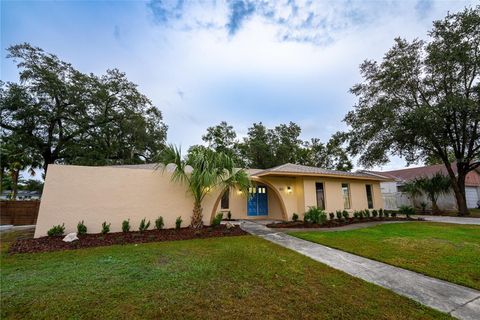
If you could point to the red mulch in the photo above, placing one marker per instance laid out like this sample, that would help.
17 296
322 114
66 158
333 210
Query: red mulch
334 223
46 244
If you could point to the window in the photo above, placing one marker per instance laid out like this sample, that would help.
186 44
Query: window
368 189
346 195
320 195
225 203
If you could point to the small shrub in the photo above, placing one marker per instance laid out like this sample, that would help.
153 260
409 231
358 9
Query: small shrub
57 230
178 222
393 214
143 225
315 215
105 227
380 213
356 214
159 223
81 228
406 210
331 215
229 215
345 214
423 204
366 213
126 225
385 213
338 213
374 213
217 220
295 217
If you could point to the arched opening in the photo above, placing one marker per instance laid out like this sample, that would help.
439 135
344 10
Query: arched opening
276 206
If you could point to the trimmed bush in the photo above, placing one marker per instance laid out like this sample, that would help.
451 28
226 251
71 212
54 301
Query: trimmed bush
338 213
406 210
332 215
229 215
374 213
393 214
143 225
217 220
315 215
295 217
126 225
81 228
366 213
385 213
159 223
380 213
345 214
57 230
105 227
178 222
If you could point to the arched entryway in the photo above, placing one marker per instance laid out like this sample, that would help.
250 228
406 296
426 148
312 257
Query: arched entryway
266 199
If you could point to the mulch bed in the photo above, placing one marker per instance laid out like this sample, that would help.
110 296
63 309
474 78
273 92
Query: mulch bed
335 223
46 244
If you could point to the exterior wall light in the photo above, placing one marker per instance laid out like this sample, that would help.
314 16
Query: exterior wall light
289 189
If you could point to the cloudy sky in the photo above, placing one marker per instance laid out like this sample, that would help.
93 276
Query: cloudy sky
202 62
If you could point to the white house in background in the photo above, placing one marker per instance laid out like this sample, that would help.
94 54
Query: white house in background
393 195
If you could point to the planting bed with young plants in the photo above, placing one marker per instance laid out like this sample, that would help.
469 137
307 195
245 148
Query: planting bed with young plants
317 218
55 243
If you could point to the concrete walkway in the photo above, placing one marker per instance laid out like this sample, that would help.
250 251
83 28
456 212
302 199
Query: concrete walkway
460 302
447 219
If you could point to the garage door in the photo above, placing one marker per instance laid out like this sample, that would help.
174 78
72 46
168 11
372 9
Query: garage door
472 196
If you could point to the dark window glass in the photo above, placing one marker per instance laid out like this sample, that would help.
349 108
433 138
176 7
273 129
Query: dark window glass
320 195
369 196
346 195
225 204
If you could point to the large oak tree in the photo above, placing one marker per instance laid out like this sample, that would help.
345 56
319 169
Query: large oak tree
423 100
67 116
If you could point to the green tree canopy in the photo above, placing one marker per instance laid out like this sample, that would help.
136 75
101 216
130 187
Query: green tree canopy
67 116
423 100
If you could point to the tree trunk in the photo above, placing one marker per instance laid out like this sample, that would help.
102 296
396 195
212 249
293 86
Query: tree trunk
1 179
435 209
458 186
14 174
459 190
197 217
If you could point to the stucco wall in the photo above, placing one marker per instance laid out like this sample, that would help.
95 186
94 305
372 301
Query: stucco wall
334 197
97 194
113 194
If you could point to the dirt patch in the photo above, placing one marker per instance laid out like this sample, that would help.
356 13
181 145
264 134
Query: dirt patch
46 244
334 223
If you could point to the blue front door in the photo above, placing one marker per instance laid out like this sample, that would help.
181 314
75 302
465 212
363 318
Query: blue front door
257 203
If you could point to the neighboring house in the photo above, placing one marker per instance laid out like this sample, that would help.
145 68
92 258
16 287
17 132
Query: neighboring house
113 194
393 195
21 195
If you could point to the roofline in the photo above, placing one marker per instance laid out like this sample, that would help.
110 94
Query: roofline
329 175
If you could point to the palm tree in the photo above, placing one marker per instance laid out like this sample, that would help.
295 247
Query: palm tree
433 187
202 171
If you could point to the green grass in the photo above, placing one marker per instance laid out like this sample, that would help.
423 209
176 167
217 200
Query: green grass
234 277
445 251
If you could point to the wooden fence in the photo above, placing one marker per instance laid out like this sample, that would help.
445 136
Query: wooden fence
19 212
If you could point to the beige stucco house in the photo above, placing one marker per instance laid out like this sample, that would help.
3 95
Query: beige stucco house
113 194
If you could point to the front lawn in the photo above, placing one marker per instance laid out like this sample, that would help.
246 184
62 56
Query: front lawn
241 277
445 251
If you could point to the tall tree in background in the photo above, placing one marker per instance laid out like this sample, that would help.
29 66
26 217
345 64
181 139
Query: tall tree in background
223 138
70 117
265 148
423 100
257 148
329 156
